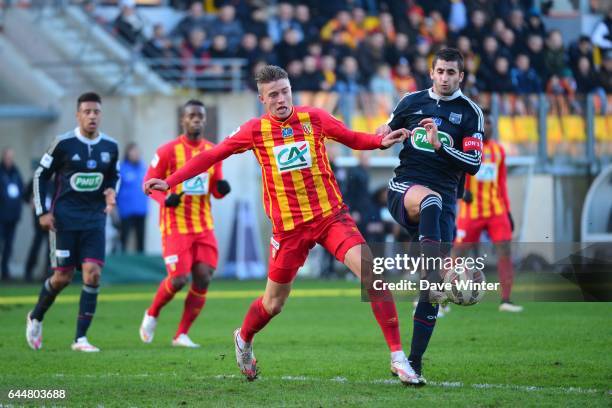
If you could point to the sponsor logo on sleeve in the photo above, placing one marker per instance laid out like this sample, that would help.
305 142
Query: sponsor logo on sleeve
46 160
472 143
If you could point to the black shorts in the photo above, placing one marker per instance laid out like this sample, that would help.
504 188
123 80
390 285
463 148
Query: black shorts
70 249
395 204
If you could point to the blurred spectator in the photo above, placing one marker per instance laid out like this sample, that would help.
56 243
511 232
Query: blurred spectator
90 8
348 86
313 77
328 68
248 50
11 192
505 7
476 29
309 28
605 72
290 48
344 25
316 50
195 53
587 80
464 45
381 85
364 23
486 69
554 55
267 53
416 17
128 24
524 78
283 21
535 25
421 73
508 45
195 19
164 54
226 25
501 82
400 49
258 22
131 201
518 26
602 34
435 28
371 54
578 49
220 47
386 27
562 91
457 20
337 47
403 79
535 47
487 7
498 27
295 70
356 192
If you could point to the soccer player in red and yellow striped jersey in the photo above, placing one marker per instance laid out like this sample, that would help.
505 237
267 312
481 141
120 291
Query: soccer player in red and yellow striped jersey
186 224
303 201
485 206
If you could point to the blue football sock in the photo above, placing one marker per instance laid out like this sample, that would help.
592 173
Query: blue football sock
45 300
87 308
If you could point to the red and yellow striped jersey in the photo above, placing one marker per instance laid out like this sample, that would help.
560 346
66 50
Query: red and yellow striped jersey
193 214
298 183
488 186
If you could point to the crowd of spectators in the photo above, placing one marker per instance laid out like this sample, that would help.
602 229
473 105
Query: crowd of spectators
381 46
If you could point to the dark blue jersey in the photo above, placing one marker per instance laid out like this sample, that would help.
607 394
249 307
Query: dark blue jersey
83 169
460 127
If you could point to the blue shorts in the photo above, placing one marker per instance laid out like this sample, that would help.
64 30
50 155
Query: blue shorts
395 204
70 249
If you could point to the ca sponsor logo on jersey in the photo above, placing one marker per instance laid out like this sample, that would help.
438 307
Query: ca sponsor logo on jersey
84 182
419 139
197 185
292 156
105 157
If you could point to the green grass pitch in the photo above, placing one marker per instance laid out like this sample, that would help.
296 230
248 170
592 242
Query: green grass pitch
325 349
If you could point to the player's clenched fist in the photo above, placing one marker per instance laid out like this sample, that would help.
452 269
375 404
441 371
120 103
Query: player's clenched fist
432 132
397 136
155 184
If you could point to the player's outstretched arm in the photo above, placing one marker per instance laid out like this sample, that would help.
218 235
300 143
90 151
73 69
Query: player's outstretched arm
336 130
467 160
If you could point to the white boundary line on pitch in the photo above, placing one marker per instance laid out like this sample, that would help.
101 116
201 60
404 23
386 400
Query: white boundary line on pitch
344 380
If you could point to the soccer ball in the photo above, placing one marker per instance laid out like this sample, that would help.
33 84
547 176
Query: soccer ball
464 286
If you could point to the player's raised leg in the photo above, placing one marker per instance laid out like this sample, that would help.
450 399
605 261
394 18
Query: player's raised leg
424 206
87 306
62 276
261 311
201 274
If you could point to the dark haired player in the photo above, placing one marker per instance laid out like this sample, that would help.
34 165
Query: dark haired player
186 224
303 201
85 164
445 143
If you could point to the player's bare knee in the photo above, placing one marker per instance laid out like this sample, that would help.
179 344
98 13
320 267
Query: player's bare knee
179 281
61 279
91 274
202 275
274 305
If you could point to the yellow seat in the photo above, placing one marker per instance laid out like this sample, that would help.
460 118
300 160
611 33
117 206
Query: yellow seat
601 128
573 128
505 128
553 129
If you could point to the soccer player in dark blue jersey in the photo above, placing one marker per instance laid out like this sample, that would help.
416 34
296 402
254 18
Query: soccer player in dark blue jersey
445 143
85 164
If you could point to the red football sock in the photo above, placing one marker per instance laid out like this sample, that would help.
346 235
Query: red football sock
256 319
164 294
506 272
194 303
386 316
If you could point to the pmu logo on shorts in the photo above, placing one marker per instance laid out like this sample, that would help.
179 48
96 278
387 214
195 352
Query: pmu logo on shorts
84 182
292 156
419 139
